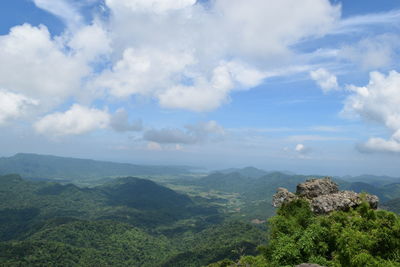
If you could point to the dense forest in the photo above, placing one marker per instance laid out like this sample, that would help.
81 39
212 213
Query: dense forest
128 222
187 219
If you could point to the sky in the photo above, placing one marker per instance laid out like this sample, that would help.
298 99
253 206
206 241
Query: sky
310 86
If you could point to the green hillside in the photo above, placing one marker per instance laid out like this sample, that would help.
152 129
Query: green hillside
127 222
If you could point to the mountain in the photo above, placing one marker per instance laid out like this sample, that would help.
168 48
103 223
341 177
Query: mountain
72 169
372 179
126 222
250 187
136 201
247 172
384 192
252 195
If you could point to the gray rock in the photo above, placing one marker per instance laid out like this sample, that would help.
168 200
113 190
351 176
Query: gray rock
282 196
317 187
324 196
338 201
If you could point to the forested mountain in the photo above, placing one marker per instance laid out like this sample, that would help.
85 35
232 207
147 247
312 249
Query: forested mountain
185 221
127 222
72 169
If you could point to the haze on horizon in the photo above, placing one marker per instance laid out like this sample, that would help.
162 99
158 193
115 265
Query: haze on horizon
309 88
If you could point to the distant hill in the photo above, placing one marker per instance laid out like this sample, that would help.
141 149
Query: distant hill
393 205
374 180
249 186
384 192
246 172
70 169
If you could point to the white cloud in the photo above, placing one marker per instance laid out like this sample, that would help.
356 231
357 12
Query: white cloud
371 53
326 80
361 22
380 145
265 29
63 9
169 56
300 148
157 6
14 106
34 64
378 102
206 95
90 42
77 120
302 151
173 51
143 71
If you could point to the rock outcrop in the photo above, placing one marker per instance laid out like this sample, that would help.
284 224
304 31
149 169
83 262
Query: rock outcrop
317 187
324 196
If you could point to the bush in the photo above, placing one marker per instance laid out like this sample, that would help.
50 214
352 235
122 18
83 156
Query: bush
359 237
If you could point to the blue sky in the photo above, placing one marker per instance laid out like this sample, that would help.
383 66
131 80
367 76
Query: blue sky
310 88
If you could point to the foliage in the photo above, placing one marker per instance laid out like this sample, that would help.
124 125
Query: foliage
229 240
128 222
360 237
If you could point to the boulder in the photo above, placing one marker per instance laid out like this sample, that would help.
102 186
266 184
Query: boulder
316 187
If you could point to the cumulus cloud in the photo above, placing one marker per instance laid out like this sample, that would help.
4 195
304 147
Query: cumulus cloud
90 42
181 53
192 134
206 95
14 106
326 80
143 71
75 121
378 102
34 64
170 46
376 144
